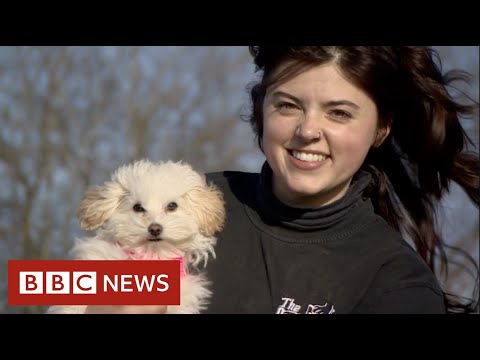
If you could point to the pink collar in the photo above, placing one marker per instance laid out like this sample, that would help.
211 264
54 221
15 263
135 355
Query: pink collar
144 255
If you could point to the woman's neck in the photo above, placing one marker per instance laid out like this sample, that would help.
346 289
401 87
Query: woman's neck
309 201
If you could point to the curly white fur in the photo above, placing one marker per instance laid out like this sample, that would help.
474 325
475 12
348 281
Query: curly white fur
138 196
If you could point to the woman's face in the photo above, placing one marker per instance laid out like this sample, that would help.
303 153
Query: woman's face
318 128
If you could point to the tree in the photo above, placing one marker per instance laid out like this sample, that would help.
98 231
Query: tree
71 115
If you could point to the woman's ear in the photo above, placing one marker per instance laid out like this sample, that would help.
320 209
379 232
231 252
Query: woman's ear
381 134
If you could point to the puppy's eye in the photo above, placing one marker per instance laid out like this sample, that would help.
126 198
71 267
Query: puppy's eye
172 206
138 208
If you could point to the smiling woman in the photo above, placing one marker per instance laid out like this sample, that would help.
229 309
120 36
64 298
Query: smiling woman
360 143
318 129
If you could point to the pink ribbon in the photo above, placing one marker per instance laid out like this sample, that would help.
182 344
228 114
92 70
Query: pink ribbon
143 255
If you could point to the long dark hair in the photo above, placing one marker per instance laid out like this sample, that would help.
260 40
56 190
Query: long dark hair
426 149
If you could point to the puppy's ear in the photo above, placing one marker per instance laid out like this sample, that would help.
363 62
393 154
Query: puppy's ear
207 205
98 204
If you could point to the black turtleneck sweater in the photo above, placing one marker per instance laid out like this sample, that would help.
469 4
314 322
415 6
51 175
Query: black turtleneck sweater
340 258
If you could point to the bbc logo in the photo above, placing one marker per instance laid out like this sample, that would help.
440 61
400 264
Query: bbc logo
94 282
57 282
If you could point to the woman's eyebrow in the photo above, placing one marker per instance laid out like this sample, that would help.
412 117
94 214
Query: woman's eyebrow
277 94
330 103
333 103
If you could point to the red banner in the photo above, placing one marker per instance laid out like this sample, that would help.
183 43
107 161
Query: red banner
93 282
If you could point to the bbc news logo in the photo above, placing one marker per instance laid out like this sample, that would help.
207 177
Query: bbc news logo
94 282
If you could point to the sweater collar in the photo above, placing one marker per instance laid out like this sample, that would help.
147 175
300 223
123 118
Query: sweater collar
275 211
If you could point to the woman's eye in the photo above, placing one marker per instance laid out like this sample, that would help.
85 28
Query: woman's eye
340 114
287 106
172 206
138 208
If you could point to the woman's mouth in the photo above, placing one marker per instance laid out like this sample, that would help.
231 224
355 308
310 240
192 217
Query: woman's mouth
307 156
305 160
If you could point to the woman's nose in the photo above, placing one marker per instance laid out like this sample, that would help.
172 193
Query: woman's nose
309 128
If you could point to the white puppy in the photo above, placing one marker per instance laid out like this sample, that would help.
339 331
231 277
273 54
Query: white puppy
153 211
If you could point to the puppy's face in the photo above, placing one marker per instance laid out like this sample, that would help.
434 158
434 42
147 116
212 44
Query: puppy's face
154 204
152 213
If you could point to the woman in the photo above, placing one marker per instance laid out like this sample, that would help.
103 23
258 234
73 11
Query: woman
360 145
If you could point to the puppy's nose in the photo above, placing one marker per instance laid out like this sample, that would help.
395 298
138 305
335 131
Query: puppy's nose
155 229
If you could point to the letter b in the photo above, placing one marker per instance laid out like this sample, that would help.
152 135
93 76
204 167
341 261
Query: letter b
31 282
57 282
